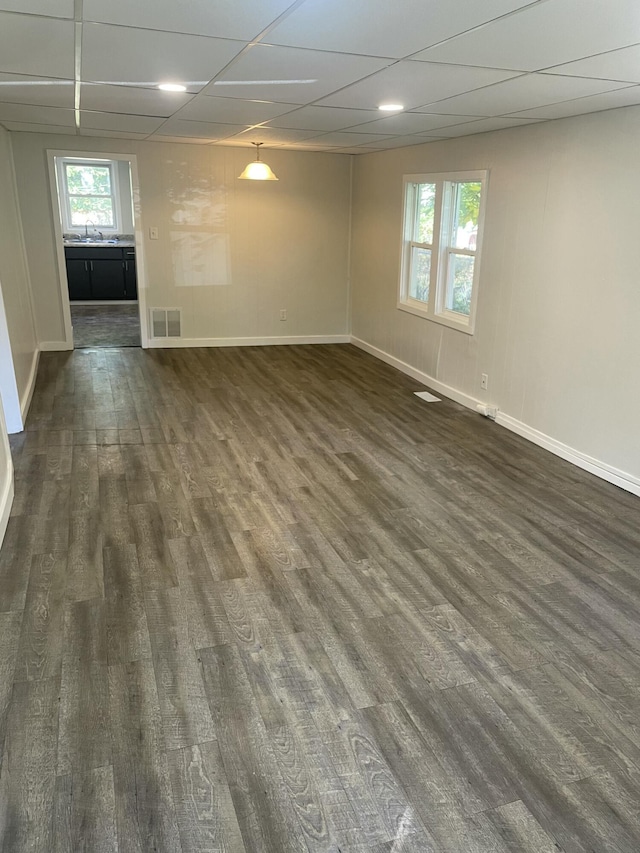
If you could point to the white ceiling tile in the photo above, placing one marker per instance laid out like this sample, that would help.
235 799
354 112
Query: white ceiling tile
413 84
233 19
25 89
363 150
275 135
112 134
147 57
232 110
526 92
31 45
402 142
157 137
126 99
545 34
621 64
483 125
324 118
347 139
38 115
119 122
22 127
380 28
51 8
203 129
413 123
290 75
606 101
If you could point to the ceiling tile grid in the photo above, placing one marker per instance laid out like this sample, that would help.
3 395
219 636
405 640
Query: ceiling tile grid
311 74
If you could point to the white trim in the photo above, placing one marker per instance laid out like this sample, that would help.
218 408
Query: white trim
622 479
55 346
114 195
414 373
601 469
25 402
141 269
181 343
6 498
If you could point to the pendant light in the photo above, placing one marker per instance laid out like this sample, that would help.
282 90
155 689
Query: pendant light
257 170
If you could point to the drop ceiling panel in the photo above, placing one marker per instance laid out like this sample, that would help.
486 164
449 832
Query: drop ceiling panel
233 19
347 138
621 64
414 84
51 8
40 46
274 135
483 125
23 89
400 142
527 92
545 34
380 28
413 123
290 75
180 139
203 129
26 127
125 99
147 57
41 115
119 122
112 134
324 118
606 101
232 110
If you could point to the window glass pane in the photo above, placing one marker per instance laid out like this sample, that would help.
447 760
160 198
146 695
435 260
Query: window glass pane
426 207
465 214
420 274
460 284
98 210
88 180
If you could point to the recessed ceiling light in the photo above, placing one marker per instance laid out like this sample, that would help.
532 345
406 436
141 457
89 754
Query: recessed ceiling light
391 108
172 87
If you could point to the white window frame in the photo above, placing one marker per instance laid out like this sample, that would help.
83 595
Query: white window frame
112 165
441 249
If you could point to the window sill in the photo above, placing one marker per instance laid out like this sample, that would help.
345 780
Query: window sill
449 319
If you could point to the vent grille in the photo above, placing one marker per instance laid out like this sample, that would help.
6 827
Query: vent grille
166 322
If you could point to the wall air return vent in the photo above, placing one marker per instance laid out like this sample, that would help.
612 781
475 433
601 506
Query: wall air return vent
166 322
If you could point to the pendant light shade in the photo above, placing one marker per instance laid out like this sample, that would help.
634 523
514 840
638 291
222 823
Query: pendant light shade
257 170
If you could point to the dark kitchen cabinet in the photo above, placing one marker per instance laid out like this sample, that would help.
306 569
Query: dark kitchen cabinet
101 273
79 278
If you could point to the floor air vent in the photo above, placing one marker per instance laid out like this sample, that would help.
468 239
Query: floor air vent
166 322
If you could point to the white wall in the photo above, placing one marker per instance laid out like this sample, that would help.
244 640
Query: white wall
6 476
559 300
19 352
230 253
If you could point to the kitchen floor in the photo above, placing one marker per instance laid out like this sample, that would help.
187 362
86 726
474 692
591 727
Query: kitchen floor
266 600
105 325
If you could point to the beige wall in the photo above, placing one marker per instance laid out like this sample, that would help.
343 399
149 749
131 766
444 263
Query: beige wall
230 253
559 299
14 295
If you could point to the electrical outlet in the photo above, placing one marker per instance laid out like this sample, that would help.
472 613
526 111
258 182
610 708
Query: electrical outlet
484 381
283 313
153 233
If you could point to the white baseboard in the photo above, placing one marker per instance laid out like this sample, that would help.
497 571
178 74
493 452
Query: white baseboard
625 481
55 346
419 375
601 469
173 343
6 498
26 398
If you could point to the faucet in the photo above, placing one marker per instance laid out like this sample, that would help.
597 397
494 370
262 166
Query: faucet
93 225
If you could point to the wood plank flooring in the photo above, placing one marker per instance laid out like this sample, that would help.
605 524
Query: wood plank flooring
267 601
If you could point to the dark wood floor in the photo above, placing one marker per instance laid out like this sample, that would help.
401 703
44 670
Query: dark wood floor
266 601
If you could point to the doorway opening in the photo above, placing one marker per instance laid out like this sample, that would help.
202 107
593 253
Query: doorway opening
99 257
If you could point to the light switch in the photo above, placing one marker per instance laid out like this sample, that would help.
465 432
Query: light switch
153 233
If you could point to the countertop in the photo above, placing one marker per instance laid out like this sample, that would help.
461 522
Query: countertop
102 244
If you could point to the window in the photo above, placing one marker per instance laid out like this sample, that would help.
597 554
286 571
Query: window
89 194
442 235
